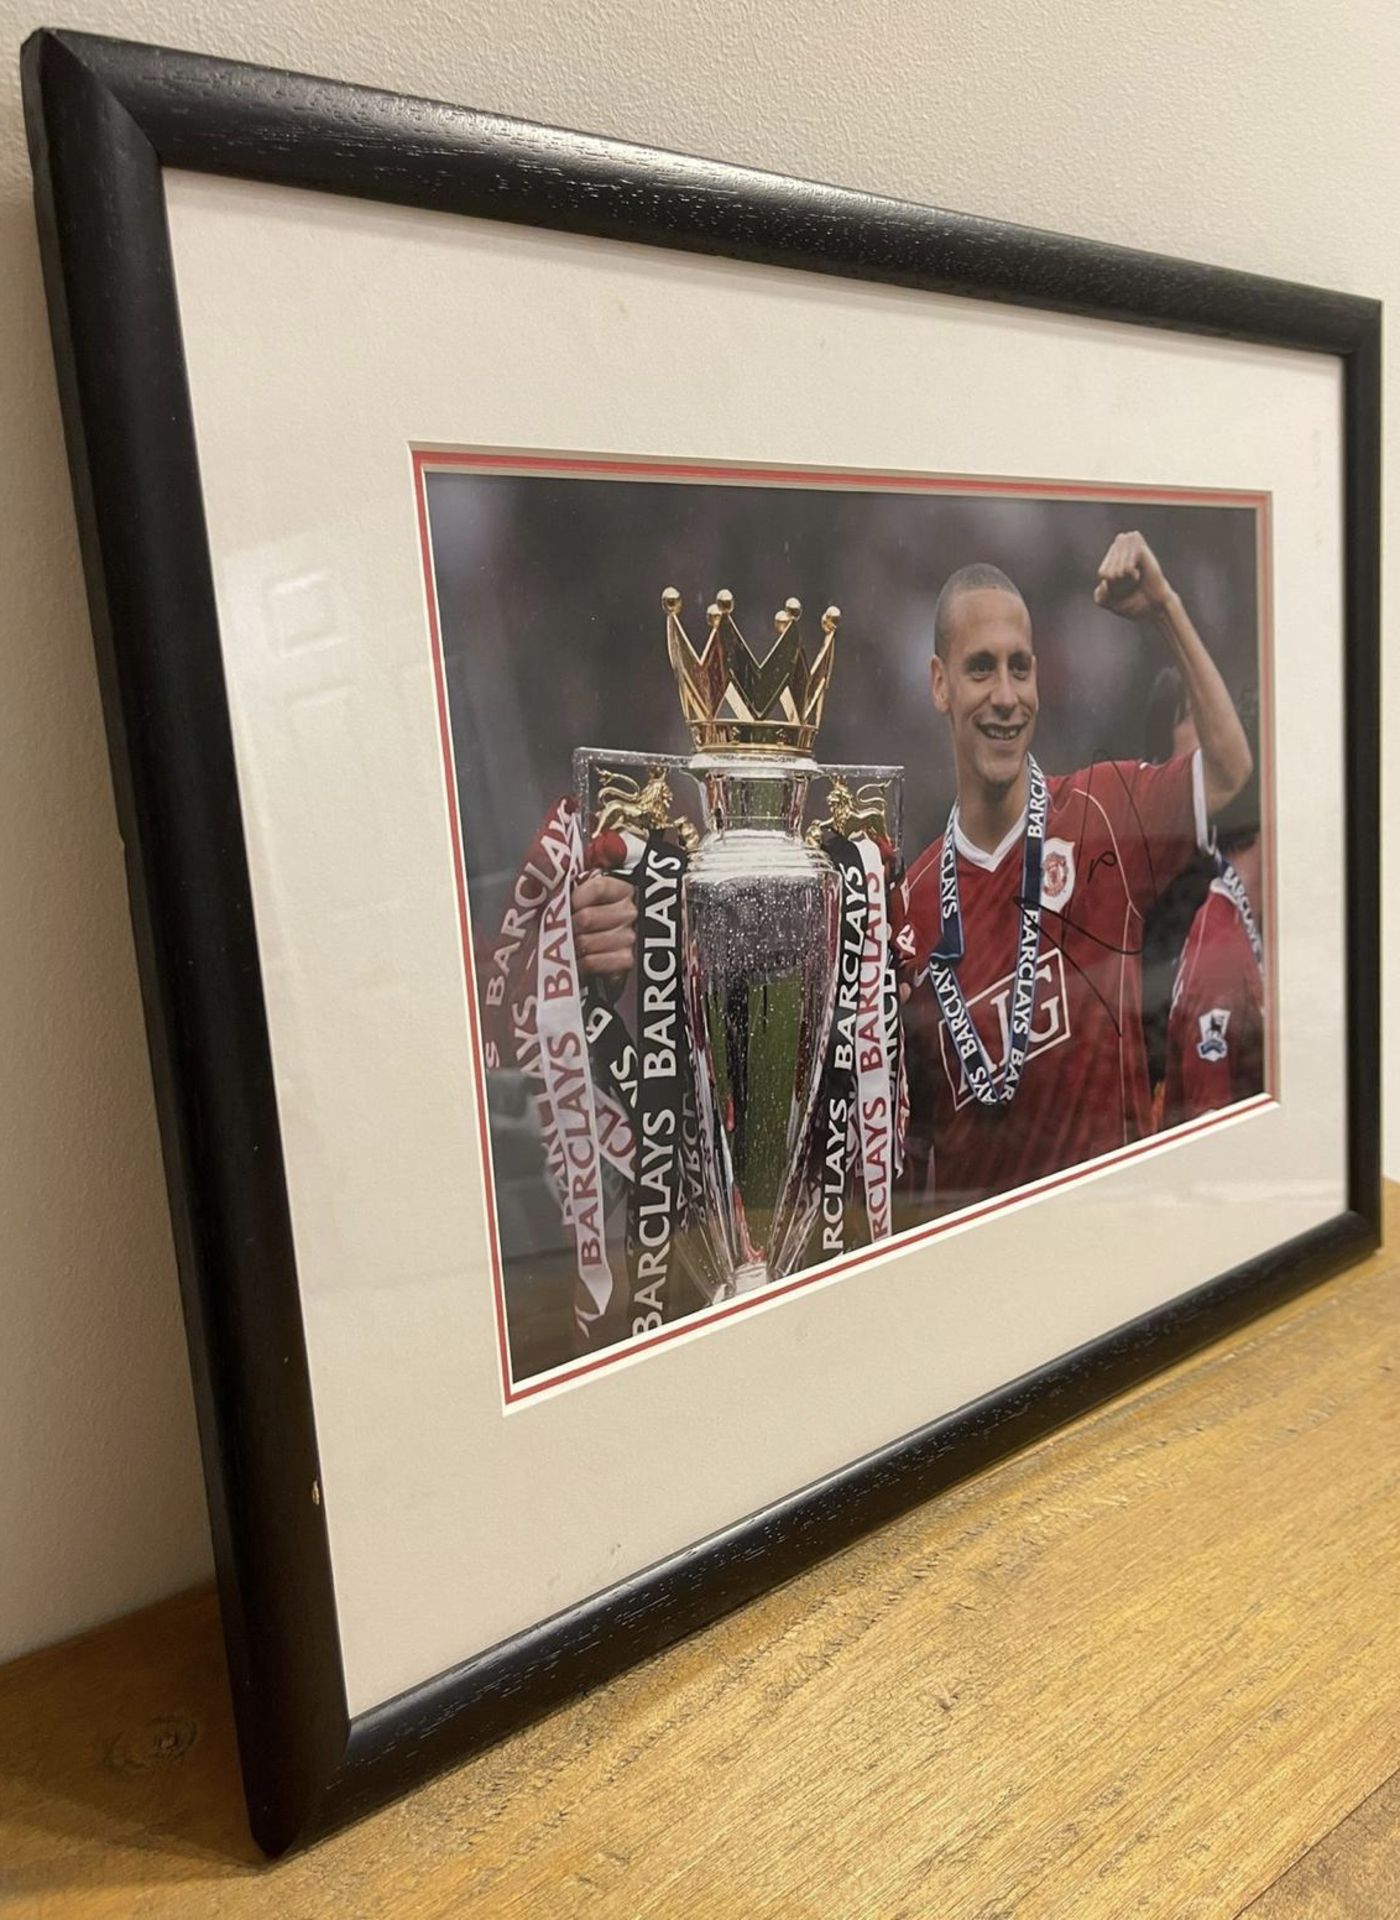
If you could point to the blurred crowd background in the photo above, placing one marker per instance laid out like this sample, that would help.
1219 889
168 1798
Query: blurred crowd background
550 598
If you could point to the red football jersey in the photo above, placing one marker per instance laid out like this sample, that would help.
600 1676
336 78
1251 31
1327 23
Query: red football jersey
1115 834
1215 1036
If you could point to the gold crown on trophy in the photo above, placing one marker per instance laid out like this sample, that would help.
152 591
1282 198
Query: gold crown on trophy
733 699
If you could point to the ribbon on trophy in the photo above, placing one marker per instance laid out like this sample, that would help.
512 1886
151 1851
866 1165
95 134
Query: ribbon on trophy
506 1017
894 1025
874 1080
603 1098
511 989
657 1203
568 1111
537 1018
659 1096
837 1113
864 1097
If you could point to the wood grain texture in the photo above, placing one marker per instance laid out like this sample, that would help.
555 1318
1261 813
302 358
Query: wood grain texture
1353 1874
1141 1669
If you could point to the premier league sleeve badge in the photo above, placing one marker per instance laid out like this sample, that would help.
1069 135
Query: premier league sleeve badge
1212 1044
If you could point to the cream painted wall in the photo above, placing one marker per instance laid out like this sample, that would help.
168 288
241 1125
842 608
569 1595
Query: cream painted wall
1256 133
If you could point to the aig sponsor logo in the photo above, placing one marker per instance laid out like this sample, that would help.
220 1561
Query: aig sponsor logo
992 1012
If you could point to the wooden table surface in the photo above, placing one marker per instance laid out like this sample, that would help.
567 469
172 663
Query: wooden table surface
1149 1667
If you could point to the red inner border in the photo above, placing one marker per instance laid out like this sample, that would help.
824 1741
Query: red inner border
429 459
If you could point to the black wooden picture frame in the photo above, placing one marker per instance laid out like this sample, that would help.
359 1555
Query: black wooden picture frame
105 119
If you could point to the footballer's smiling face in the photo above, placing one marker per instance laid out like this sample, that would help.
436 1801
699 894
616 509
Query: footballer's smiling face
984 680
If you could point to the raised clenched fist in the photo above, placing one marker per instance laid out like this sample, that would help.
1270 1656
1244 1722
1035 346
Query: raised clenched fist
605 926
1131 581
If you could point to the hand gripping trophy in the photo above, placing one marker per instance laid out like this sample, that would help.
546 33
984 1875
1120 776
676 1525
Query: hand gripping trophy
748 1075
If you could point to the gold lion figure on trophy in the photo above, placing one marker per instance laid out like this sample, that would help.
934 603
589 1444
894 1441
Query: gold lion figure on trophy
627 805
851 813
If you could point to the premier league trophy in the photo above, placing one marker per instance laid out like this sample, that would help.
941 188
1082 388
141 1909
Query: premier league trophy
761 918
749 1074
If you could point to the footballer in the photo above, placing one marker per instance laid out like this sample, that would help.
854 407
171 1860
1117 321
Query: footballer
1024 921
1215 1031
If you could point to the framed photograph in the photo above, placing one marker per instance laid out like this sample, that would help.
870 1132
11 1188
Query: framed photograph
751 818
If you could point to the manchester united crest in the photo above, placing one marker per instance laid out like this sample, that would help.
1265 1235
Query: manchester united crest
1057 873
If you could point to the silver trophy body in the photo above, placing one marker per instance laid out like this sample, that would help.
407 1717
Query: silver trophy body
760 912
760 909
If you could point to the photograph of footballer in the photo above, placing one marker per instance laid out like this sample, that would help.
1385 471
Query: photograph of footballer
1076 960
